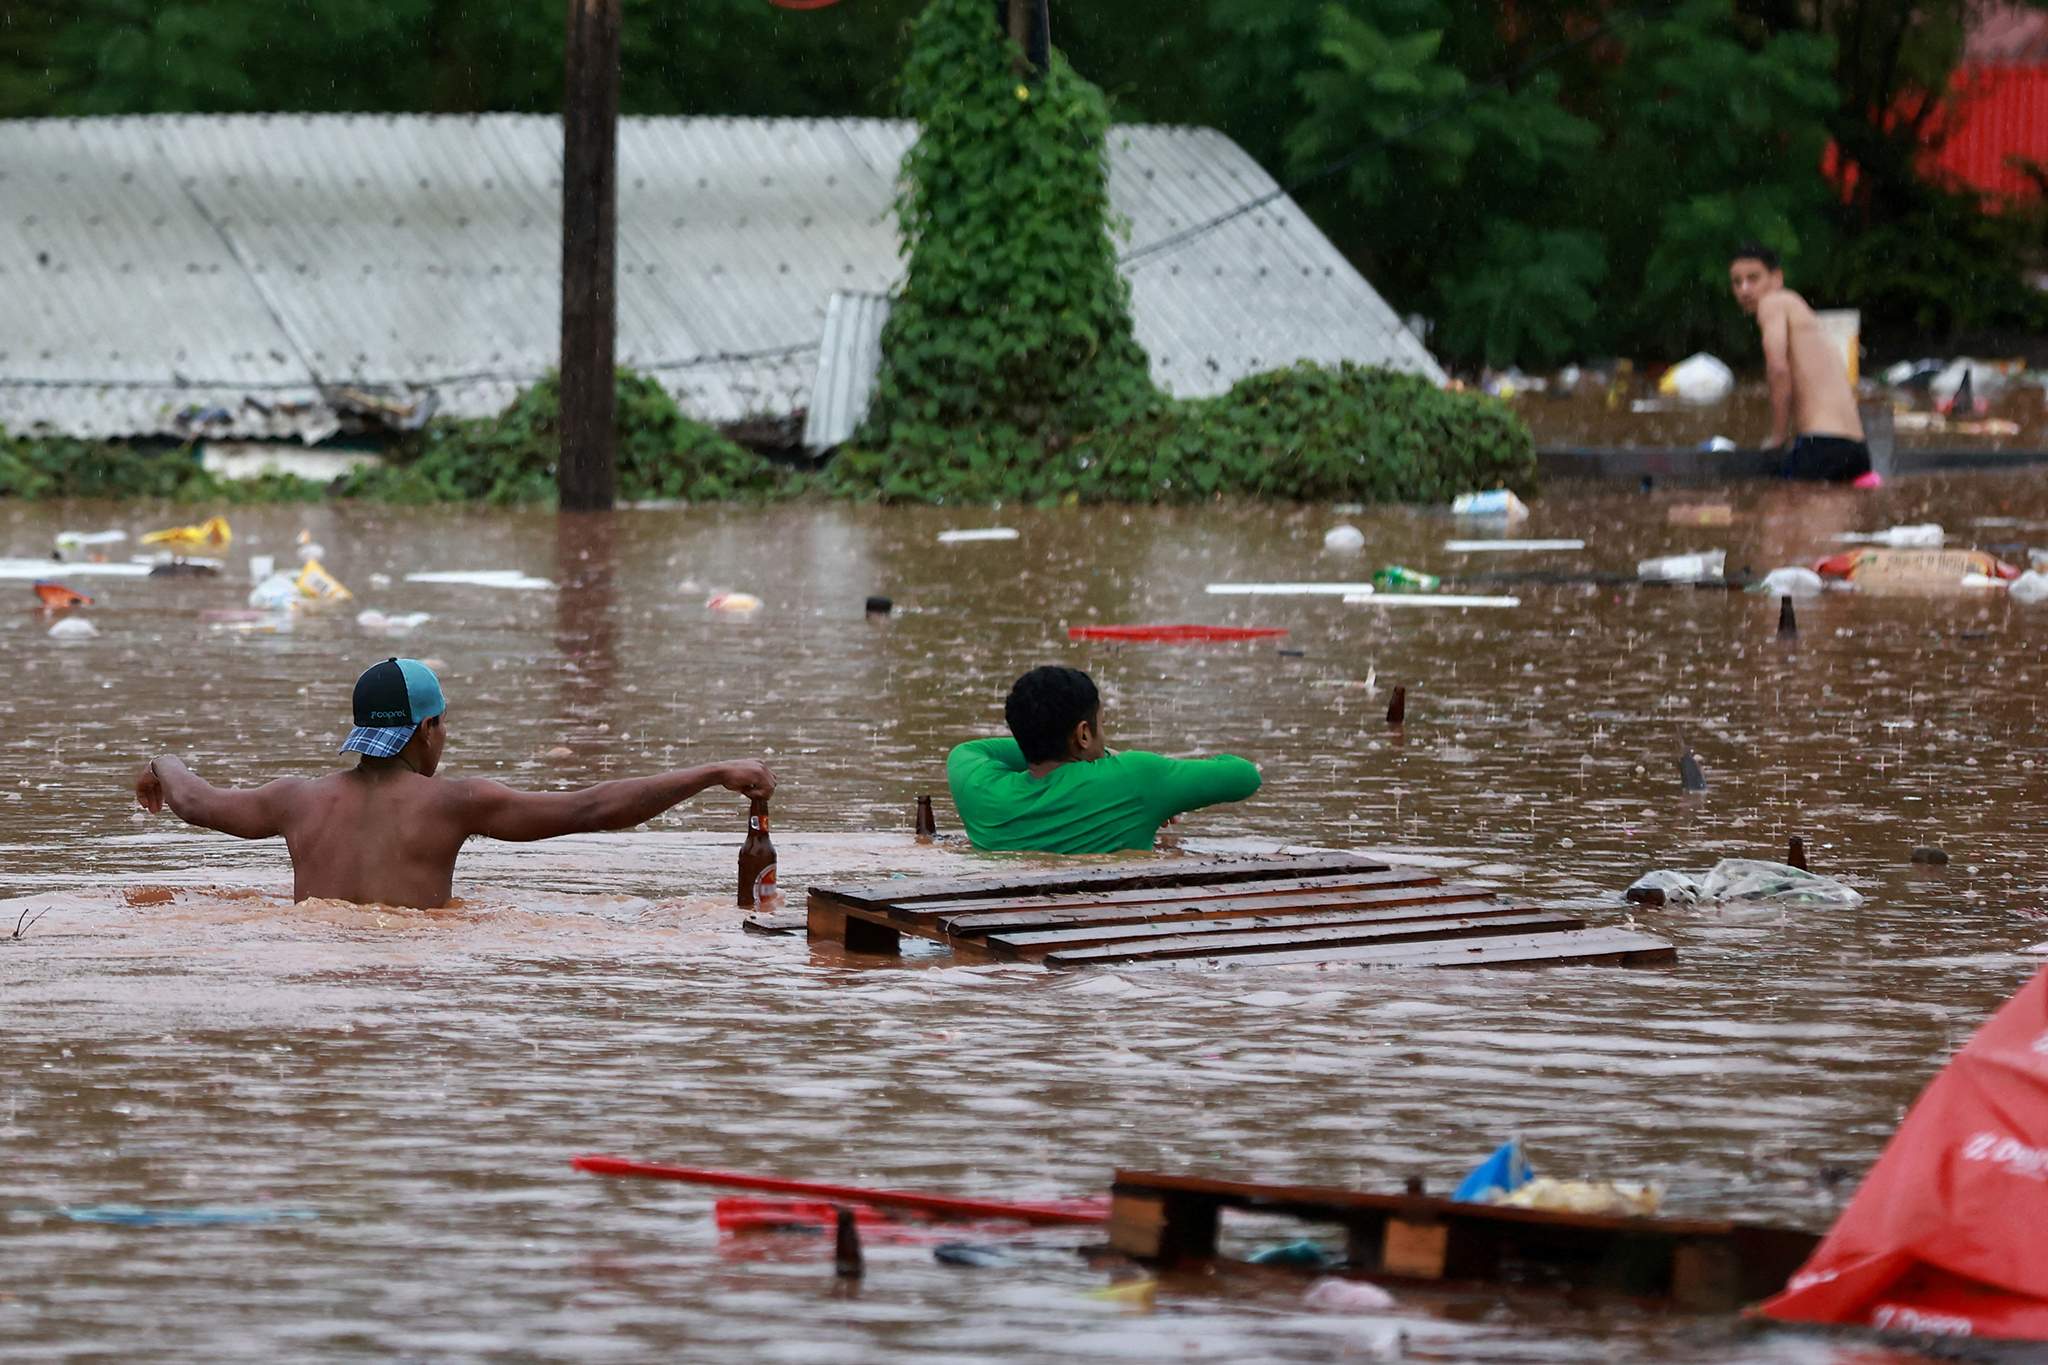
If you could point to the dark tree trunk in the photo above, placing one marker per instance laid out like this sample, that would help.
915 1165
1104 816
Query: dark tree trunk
590 143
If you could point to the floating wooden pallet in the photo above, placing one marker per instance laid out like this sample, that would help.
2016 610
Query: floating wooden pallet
1693 1263
1336 907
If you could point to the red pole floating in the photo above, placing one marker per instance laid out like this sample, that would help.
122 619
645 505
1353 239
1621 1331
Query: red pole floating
1070 1212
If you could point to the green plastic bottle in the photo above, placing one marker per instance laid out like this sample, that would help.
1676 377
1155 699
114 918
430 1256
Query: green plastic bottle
1399 576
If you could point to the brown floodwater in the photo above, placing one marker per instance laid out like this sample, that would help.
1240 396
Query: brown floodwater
418 1081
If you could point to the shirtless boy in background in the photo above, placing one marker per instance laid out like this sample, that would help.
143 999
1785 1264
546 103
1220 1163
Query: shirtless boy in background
1813 409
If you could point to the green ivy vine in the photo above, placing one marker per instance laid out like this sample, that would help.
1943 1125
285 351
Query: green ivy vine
1009 367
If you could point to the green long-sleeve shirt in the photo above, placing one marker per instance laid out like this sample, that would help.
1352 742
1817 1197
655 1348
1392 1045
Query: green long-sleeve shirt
1117 802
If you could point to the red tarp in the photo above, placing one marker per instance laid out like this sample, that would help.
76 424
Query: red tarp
1174 634
1949 1232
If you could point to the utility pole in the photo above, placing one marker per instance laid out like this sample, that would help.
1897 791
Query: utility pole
1029 24
590 200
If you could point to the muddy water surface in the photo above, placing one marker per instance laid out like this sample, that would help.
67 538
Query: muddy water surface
418 1080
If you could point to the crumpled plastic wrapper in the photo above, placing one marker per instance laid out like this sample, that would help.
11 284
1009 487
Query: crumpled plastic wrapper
1586 1196
1746 879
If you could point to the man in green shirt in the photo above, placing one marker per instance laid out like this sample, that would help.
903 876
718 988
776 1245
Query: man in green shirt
1054 788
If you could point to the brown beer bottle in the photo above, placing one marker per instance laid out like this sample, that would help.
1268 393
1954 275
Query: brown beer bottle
926 827
757 863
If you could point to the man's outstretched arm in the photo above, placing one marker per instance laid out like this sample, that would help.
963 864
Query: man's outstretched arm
501 812
1179 785
253 813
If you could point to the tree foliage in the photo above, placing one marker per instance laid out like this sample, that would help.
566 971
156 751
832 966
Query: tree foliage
1586 204
1010 371
1542 180
452 56
1013 316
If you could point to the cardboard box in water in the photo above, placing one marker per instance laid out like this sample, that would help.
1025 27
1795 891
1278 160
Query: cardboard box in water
1699 514
1879 570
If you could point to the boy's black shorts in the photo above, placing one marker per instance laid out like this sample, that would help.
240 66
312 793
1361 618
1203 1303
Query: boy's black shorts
1835 459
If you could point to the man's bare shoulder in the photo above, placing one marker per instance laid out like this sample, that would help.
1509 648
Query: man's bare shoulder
473 795
1783 303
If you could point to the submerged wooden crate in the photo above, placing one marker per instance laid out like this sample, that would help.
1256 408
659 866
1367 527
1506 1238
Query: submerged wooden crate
1334 907
1704 1264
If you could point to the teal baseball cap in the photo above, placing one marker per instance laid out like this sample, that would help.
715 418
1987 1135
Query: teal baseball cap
391 700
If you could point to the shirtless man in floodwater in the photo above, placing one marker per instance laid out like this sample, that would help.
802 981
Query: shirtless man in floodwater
1814 424
386 831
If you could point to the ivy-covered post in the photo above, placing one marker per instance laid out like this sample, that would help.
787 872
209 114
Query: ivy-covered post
1029 24
1012 333
590 196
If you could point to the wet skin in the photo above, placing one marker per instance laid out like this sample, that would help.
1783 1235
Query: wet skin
1810 393
387 831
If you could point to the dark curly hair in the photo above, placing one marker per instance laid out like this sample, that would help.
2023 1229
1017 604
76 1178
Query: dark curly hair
1752 251
1045 705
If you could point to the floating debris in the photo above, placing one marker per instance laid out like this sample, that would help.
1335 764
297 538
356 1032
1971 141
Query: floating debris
137 1216
1480 547
1426 599
483 578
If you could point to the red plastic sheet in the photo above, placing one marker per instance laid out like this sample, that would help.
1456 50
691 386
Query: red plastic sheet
57 595
1949 1232
1174 634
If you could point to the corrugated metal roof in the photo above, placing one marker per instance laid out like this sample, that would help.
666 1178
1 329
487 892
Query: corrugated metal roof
226 274
849 357
1998 121
2006 33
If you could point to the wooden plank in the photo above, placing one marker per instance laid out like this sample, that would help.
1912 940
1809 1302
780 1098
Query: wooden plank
1699 1264
782 922
1036 942
1323 938
1151 872
1705 1275
1602 947
1284 886
1768 1256
827 922
823 919
1417 1249
1137 1225
1401 901
1163 1228
1330 1203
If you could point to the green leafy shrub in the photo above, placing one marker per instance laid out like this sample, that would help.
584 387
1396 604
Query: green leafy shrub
63 467
1313 433
511 458
1309 433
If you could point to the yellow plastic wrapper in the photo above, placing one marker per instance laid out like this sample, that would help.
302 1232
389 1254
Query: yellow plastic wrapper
1131 1293
315 582
211 534
1586 1196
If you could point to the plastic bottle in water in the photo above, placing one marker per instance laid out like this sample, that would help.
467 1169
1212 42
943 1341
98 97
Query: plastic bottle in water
1692 568
1494 502
1396 577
